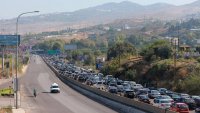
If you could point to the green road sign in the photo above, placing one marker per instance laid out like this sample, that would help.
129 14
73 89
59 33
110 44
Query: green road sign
52 52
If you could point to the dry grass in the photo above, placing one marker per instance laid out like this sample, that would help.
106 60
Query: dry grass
68 38
6 110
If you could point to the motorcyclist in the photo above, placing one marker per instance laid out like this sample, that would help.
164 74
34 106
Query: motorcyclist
34 92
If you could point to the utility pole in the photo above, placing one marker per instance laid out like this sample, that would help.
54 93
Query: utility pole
175 58
12 65
3 50
17 55
178 38
119 55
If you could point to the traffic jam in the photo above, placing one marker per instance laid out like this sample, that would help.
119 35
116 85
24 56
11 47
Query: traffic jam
159 97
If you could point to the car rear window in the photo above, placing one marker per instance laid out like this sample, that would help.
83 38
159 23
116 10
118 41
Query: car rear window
189 100
99 82
54 86
164 101
182 106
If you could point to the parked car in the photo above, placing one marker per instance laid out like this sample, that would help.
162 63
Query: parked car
190 102
163 103
153 94
129 93
180 107
54 88
144 98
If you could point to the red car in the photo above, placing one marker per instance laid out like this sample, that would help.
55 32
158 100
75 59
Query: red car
180 107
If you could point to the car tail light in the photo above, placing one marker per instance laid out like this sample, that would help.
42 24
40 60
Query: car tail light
162 104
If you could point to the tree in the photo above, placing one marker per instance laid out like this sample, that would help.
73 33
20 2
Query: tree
120 49
97 53
75 54
57 46
130 75
160 48
89 60
135 40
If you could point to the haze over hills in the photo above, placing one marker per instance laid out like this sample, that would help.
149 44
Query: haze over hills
101 14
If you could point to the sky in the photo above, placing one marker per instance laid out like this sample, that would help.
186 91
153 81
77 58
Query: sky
12 8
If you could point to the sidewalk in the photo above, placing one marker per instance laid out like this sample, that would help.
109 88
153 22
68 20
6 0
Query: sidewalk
19 110
3 81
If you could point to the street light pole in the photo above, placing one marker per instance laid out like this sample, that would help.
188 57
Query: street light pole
17 52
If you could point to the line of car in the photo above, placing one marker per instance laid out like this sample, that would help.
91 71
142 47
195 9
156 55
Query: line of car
160 97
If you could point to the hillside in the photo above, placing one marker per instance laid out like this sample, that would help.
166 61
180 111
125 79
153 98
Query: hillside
101 14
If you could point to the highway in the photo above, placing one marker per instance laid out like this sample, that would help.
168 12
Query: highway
40 77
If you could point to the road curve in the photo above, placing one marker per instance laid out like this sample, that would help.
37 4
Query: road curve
40 77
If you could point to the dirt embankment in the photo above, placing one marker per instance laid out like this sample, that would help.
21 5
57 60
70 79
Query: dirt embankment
162 73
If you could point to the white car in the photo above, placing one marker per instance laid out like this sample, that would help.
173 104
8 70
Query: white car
54 88
137 86
99 85
166 97
163 103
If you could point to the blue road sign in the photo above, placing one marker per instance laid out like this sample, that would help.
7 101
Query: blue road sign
9 40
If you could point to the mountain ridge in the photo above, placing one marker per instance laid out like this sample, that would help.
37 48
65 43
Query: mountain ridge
103 14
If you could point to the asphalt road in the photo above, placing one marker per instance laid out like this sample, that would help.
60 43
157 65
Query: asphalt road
40 77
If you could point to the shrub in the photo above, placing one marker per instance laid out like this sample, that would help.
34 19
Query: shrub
130 74
192 85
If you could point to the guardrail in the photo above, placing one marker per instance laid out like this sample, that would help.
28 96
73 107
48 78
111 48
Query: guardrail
126 101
